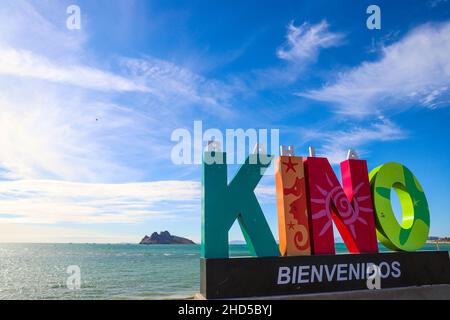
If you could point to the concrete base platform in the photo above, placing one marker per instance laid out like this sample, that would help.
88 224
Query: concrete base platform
294 276
433 292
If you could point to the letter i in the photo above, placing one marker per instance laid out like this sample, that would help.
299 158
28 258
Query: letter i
292 207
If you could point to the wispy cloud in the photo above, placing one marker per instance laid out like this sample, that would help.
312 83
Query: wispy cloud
414 71
52 202
174 85
335 144
302 48
65 118
40 26
436 3
53 133
31 233
20 63
50 129
305 42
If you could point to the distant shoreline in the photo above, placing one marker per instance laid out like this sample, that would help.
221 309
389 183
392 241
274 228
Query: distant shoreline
438 241
133 243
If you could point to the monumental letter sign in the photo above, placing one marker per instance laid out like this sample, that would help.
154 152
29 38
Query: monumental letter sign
310 199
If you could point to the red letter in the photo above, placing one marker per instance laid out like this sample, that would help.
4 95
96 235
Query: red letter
349 207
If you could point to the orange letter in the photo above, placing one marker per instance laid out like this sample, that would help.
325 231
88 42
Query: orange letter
292 206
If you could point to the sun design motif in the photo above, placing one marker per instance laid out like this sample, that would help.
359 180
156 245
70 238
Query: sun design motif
336 196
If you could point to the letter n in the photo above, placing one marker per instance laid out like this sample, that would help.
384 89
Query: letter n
349 207
223 203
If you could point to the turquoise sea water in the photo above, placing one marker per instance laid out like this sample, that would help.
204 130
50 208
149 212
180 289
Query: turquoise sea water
116 271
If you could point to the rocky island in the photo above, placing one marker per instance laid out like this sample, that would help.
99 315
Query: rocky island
165 238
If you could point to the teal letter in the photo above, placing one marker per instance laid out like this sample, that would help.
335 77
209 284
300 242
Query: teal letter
223 203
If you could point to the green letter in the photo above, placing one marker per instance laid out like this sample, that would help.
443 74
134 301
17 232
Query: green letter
223 203
413 232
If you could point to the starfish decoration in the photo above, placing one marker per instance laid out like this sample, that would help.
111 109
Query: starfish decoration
290 165
291 225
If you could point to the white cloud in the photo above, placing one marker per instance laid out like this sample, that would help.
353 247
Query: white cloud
24 233
52 133
174 85
39 26
48 202
61 120
49 130
51 100
414 71
48 127
20 63
302 49
51 202
335 144
305 42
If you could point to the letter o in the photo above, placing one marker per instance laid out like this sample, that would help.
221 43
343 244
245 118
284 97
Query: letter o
413 232
388 270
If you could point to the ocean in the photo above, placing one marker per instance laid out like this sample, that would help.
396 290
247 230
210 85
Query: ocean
106 271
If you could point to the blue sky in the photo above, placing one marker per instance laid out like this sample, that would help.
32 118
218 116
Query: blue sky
87 115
